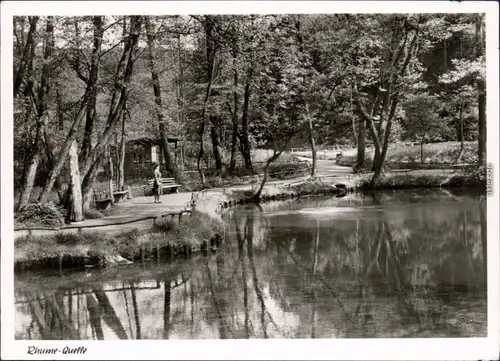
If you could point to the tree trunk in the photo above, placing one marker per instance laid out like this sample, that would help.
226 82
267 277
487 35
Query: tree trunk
29 178
244 140
390 98
461 126
210 57
180 97
75 208
121 158
41 107
24 64
387 134
59 114
199 159
376 159
481 101
234 144
360 156
422 150
88 185
182 155
310 132
49 150
373 132
126 65
110 176
276 153
216 144
482 126
264 178
63 153
92 87
169 165
87 108
236 103
89 125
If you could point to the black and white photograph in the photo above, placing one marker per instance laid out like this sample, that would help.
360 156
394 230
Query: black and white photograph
316 174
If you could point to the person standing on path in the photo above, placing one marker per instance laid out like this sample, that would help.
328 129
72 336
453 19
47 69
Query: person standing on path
157 183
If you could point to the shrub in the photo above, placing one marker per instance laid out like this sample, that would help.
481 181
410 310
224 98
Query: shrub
93 214
165 225
313 187
366 168
285 170
142 191
475 177
39 214
216 182
394 182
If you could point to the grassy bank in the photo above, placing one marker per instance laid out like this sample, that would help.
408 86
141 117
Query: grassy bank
286 191
470 179
199 232
434 154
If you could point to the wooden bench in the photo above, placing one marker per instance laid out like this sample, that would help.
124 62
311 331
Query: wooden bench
166 183
102 200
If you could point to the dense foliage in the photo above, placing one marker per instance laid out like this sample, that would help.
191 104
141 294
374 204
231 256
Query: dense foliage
227 85
42 215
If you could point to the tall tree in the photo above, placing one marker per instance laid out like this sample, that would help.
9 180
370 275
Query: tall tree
41 103
87 108
481 84
279 114
27 53
122 79
162 122
402 49
468 73
235 50
91 80
208 24
421 119
75 209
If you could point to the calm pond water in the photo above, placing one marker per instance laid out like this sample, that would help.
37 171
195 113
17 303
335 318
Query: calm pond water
399 264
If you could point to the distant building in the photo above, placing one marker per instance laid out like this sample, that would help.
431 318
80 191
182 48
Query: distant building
147 151
141 153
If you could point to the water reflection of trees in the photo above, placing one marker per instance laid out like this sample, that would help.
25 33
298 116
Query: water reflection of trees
389 273
420 270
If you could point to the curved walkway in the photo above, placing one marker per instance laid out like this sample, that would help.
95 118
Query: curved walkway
138 208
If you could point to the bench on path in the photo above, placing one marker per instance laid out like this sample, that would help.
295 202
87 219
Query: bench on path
166 183
103 200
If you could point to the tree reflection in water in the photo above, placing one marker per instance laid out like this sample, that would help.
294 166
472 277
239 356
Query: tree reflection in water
396 267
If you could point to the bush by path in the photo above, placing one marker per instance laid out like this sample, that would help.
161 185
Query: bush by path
39 215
